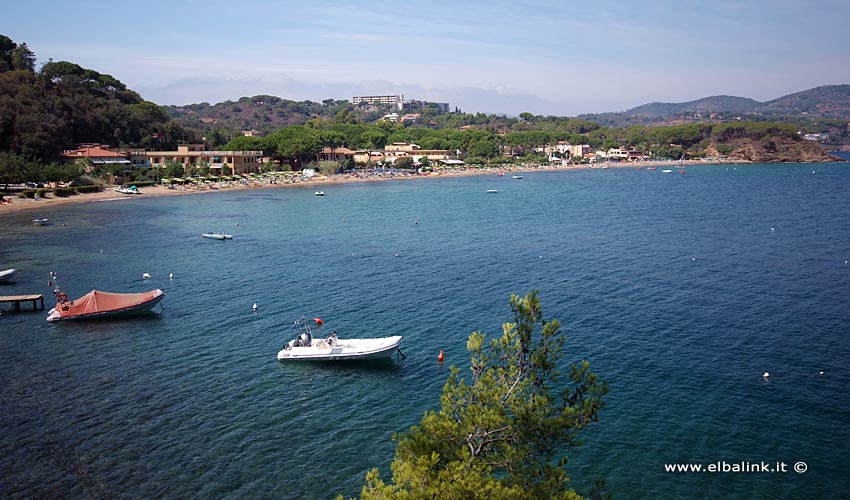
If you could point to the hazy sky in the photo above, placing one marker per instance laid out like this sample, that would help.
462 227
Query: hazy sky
546 57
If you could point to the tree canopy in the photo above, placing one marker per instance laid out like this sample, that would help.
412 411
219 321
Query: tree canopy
503 430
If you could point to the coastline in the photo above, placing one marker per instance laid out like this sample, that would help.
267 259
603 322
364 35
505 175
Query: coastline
108 194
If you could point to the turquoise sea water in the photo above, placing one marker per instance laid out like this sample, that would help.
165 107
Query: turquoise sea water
681 290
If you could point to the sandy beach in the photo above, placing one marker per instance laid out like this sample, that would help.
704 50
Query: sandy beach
109 194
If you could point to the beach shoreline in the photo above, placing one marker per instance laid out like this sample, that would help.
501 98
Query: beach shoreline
109 194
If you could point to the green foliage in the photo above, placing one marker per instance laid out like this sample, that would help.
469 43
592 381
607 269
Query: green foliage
405 162
93 188
174 169
328 167
64 191
502 432
295 144
13 168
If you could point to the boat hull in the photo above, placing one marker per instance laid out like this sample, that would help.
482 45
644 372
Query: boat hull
345 350
157 295
7 275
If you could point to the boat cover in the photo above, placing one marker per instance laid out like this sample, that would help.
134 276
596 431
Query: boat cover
100 302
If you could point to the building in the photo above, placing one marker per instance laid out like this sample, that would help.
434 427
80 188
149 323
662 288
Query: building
377 99
235 162
577 150
401 149
95 155
419 106
335 154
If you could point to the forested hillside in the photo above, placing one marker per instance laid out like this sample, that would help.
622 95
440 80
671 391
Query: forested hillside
46 111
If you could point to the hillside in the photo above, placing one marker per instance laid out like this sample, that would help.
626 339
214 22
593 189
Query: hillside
263 113
706 105
829 102
776 149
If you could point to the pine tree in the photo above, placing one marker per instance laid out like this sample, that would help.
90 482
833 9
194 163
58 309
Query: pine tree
503 433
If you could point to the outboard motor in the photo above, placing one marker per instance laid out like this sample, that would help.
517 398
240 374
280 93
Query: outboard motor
293 343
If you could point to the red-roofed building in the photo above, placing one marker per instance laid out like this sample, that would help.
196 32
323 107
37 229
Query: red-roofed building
336 154
95 154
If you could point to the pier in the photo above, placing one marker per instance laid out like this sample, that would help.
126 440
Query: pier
17 299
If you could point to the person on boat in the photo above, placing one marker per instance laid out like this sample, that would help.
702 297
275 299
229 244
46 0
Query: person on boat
332 339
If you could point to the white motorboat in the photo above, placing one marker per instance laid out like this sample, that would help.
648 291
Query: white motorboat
7 275
39 222
218 236
304 347
128 190
492 190
320 193
516 177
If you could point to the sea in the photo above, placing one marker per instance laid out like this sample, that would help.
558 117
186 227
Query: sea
681 290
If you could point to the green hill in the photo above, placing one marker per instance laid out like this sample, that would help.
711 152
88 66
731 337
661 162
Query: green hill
706 105
829 101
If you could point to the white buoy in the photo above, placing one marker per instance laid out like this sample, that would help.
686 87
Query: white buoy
773 229
171 276
146 276
820 373
766 375
255 306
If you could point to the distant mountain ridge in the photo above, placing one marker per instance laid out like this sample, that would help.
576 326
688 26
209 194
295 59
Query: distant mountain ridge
828 101
713 104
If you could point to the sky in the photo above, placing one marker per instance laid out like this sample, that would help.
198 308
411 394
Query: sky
546 57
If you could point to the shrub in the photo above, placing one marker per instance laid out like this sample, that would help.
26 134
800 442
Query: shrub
141 184
94 188
27 193
63 192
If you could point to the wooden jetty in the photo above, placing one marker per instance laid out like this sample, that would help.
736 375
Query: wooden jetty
17 299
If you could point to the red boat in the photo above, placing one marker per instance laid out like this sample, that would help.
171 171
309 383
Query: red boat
97 304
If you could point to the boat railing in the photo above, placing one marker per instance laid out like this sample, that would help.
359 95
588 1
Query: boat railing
302 325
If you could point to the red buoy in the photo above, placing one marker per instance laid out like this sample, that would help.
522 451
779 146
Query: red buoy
319 321
440 356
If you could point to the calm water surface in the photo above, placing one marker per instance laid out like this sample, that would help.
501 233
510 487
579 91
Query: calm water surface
681 290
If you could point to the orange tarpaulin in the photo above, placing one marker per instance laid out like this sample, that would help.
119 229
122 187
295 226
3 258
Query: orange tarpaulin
100 302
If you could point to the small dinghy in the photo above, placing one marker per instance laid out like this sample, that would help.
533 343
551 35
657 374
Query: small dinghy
304 347
218 236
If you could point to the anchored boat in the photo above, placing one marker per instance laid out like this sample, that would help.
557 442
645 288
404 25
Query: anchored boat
218 236
97 304
306 347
